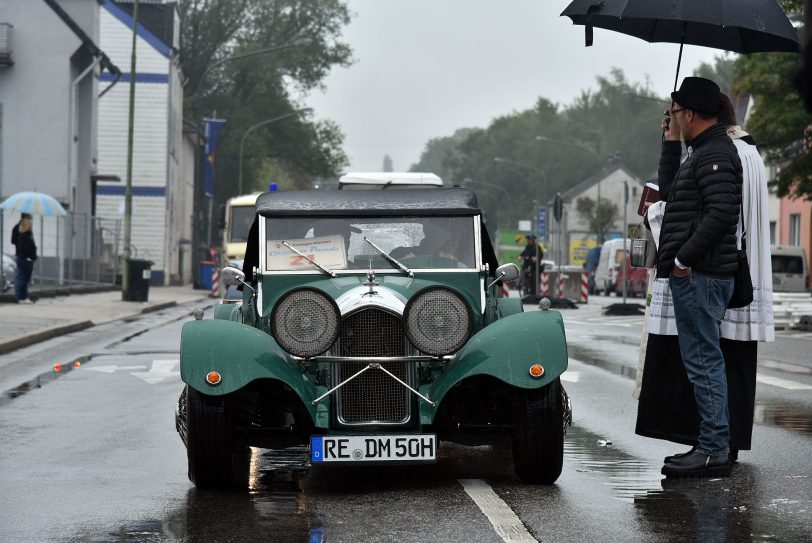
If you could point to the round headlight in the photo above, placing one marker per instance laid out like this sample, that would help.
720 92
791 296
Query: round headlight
305 322
438 321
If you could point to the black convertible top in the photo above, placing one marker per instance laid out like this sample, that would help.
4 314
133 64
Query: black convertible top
455 201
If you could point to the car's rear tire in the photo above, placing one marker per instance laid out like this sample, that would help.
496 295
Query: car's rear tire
538 438
215 460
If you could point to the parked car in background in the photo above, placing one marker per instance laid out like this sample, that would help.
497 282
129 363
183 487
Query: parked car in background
9 272
606 273
635 280
374 330
790 269
591 264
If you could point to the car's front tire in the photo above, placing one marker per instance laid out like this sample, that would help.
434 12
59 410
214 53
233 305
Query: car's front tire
538 438
215 460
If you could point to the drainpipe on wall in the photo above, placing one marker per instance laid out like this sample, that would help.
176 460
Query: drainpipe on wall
73 154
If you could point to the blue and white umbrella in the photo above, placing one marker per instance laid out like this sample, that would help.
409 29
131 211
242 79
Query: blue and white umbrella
34 203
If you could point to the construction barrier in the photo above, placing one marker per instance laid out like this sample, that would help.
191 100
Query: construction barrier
584 287
569 284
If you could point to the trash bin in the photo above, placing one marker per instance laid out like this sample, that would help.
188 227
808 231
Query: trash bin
140 272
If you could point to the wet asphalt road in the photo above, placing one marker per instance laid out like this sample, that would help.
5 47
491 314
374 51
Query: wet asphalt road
93 456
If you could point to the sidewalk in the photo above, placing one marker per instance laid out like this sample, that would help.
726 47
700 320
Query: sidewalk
23 325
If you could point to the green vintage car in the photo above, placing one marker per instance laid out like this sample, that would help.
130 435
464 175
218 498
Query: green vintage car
372 328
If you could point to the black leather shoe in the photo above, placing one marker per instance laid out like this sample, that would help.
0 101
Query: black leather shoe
734 456
673 457
698 465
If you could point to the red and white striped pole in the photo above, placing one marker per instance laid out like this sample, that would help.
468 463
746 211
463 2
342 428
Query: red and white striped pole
561 278
545 284
584 287
215 281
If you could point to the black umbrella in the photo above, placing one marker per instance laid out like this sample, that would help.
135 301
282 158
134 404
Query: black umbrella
742 26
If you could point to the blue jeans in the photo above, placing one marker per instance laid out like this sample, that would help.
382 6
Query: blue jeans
699 305
24 268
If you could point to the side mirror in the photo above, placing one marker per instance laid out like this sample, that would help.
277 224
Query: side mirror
508 272
232 276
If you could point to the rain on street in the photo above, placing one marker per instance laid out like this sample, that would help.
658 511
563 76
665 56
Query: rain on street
93 456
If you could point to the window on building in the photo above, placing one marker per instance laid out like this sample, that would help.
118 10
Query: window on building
772 232
795 229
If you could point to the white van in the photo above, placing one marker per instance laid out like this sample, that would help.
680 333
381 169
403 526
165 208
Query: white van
606 274
790 271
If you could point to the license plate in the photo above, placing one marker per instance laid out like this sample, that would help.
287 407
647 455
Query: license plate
374 448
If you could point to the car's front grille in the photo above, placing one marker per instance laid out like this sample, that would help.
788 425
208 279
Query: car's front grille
373 397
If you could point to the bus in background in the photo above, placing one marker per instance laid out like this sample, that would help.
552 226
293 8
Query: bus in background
239 214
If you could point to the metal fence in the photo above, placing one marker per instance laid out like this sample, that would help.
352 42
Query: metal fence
73 250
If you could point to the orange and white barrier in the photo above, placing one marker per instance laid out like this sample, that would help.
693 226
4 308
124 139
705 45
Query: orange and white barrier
215 281
545 284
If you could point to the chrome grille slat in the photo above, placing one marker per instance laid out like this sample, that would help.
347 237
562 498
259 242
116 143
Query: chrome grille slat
374 397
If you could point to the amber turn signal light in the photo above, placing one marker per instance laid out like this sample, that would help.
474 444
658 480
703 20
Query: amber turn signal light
213 378
536 371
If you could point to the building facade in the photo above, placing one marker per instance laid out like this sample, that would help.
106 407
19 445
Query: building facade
160 220
576 236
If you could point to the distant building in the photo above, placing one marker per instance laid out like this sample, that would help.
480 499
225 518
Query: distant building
576 238
49 63
161 195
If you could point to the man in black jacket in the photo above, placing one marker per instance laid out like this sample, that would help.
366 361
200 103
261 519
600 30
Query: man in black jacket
697 252
22 237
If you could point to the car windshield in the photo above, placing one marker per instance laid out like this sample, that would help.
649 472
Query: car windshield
240 223
337 243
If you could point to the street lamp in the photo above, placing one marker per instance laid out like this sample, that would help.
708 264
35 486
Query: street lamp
296 43
260 124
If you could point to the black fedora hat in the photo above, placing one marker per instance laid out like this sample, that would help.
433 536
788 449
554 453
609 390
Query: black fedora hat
699 94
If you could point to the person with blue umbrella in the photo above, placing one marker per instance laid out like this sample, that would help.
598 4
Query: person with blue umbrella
22 237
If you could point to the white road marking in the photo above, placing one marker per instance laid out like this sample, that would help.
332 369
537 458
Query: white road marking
160 371
781 383
504 520
571 376
111 369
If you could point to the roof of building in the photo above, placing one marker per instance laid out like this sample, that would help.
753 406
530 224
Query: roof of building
605 172
454 201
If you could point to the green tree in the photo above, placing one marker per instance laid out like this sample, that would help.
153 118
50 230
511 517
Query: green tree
601 217
250 90
779 122
721 72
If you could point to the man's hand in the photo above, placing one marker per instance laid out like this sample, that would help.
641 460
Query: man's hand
680 272
671 131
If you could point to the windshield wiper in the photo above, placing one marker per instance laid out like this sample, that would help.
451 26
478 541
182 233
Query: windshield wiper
389 257
331 273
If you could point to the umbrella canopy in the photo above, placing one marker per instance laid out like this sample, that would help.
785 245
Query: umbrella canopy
741 26
34 203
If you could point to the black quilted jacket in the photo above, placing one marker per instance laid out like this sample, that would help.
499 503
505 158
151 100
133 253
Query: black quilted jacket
702 204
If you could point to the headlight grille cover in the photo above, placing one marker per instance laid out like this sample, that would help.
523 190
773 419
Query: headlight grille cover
438 321
305 322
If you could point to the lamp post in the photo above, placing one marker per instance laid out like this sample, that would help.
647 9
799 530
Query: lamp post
258 125
296 43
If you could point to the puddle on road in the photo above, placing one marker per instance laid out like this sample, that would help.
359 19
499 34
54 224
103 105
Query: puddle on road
56 371
794 417
274 508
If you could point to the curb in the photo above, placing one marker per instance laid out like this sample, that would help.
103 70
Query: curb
37 337
158 307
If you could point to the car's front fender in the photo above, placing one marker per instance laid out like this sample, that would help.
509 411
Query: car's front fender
240 354
505 350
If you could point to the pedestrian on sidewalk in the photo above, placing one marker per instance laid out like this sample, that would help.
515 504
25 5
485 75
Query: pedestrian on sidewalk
667 409
22 237
697 254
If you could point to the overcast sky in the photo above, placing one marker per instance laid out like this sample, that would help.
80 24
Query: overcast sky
427 67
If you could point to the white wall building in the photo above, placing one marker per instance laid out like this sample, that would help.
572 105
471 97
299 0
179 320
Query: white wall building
606 185
160 220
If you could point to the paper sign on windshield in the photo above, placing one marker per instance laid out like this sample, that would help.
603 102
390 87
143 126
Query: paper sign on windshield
328 251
